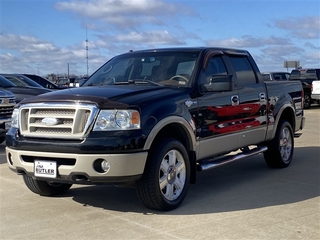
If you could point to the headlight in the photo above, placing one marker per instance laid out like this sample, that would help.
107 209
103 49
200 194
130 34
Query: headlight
109 120
15 118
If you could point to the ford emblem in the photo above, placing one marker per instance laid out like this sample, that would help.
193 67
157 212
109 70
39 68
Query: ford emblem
50 121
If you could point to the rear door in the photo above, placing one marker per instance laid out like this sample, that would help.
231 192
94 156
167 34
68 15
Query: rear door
252 117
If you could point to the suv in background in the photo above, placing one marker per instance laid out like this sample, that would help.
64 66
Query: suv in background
306 76
275 76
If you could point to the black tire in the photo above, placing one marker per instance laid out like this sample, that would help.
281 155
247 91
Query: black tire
166 177
45 188
2 139
280 149
307 101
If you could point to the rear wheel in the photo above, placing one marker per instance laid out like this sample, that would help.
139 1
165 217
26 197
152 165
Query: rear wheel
280 149
166 177
307 101
45 188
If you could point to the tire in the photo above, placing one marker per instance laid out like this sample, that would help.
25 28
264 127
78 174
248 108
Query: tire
307 101
280 149
165 181
45 188
2 139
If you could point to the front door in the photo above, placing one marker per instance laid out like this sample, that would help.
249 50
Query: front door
217 120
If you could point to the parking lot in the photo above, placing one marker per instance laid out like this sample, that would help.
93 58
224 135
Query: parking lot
242 200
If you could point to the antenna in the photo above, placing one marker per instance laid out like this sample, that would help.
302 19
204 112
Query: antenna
87 49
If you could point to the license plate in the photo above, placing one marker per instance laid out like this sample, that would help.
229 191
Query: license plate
45 169
7 125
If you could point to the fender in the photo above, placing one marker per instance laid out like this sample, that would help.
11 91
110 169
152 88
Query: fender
286 107
189 128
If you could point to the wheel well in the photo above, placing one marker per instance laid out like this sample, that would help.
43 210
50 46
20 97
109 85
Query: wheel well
287 115
174 130
178 132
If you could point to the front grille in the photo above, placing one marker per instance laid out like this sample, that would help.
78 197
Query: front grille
6 107
6 111
56 121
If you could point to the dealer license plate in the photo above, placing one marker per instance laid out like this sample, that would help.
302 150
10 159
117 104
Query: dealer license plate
45 169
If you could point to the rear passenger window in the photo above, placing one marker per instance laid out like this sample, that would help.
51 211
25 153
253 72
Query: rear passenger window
243 70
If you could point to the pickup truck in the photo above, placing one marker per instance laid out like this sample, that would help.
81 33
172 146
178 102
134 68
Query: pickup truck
7 103
275 76
307 76
152 119
315 91
315 87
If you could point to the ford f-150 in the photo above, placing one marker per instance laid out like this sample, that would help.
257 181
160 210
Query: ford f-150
153 119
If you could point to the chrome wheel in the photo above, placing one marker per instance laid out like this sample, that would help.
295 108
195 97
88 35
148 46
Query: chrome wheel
172 175
285 144
281 147
164 183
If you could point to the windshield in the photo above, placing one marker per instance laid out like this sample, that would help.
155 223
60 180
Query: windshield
151 68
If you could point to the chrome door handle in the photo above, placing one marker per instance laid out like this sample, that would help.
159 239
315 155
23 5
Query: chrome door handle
234 100
262 96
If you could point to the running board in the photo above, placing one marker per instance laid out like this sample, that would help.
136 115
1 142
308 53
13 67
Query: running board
208 164
297 135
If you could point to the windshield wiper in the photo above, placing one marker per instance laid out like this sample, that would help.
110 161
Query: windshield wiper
144 81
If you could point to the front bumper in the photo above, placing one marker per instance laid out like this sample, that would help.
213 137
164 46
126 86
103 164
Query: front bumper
79 168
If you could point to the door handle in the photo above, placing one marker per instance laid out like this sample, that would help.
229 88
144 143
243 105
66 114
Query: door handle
262 96
234 100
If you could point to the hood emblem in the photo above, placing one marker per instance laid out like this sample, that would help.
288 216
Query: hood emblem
188 103
50 121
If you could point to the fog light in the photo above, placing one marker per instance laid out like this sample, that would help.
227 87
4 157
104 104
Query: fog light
105 165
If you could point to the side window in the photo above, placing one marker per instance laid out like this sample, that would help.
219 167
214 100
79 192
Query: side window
243 70
215 66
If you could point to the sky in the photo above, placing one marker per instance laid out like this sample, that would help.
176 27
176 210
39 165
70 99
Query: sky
52 36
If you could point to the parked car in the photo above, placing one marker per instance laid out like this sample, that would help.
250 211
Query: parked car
21 80
7 103
315 91
43 82
63 82
306 76
277 76
21 92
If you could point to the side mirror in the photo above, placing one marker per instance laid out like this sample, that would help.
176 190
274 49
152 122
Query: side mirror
219 83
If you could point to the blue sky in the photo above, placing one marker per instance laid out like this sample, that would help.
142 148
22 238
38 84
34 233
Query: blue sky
47 36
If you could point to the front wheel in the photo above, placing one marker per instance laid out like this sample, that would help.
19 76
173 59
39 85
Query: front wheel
166 177
45 188
280 149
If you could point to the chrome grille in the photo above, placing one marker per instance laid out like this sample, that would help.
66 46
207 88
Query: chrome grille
56 121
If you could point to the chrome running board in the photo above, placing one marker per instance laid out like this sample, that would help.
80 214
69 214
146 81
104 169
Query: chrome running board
213 163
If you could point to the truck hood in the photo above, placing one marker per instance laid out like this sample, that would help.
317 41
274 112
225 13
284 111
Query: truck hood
106 96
